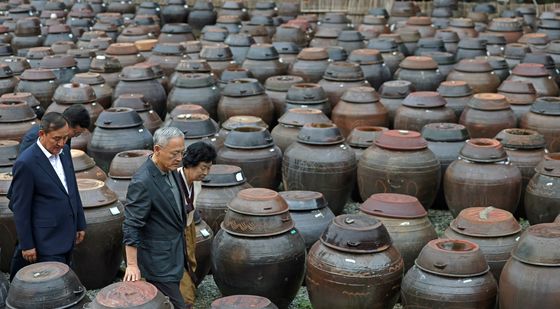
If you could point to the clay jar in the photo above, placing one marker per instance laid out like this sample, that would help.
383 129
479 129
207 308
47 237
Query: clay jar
16 118
510 28
320 149
449 273
85 167
359 106
245 97
421 71
108 67
103 92
457 94
332 281
541 198
141 79
307 95
288 52
66 95
421 108
39 82
273 263
167 55
464 27
389 51
359 139
520 95
289 125
63 67
537 74
350 40
114 126
253 149
530 276
339 77
204 238
542 118
495 230
310 213
137 102
406 221
263 62
487 114
195 88
311 64
481 177
122 168
202 14
392 94
130 294
197 127
372 64
477 73
277 89
218 56
237 122
400 162
127 53
239 44
243 301
8 237
469 48
8 81
176 32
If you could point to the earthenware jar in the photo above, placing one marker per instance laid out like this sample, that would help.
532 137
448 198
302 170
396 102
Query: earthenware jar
35 54
392 94
150 119
520 95
450 39
538 75
487 114
457 94
277 89
289 125
122 168
196 128
63 67
243 301
176 33
66 95
202 14
245 97
311 64
421 108
359 106
167 55
359 140
511 28
103 92
542 117
195 88
239 44
477 73
421 71
389 51
7 80
288 52
541 198
339 77
307 95
372 64
464 27
108 67
263 62
514 53
39 82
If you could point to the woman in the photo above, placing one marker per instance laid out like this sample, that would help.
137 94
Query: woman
197 161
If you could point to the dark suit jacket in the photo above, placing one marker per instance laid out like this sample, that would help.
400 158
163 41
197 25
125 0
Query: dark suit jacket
47 218
154 225
31 137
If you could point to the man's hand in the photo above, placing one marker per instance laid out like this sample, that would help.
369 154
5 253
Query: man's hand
132 273
29 255
80 236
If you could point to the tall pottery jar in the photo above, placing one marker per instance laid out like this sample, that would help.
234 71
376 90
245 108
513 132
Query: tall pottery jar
245 97
39 82
543 117
359 106
8 235
541 196
195 88
289 125
477 73
421 71
392 94
421 108
311 64
122 168
16 118
487 114
339 77
277 88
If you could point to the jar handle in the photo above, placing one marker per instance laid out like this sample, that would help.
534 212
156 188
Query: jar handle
440 265
353 243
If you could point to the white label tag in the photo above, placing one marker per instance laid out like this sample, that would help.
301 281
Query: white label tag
204 233
114 211
239 176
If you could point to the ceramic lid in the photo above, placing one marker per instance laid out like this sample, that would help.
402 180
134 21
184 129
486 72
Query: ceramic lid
239 39
419 63
326 33
396 89
15 111
126 163
401 140
243 87
356 234
483 150
505 24
549 106
442 58
187 109
363 95
543 59
5 182
286 48
431 43
518 87
262 52
393 205
243 301
8 152
473 66
343 71
243 121
217 52
222 175
530 70
493 38
461 22
258 202
192 46
282 83
384 45
550 165
195 125
364 136
176 28
57 62
454 89
118 118
489 102
485 222
194 80
137 72
233 73
38 74
105 64
135 30
247 137
59 28
447 36
445 132
424 99
89 35
337 53
313 53
321 133
135 101
39 52
521 139
365 56
300 116
304 200
126 294
94 193
306 93
452 258
88 78
122 49
21 96
350 36
193 66
516 51
73 93
174 49
539 245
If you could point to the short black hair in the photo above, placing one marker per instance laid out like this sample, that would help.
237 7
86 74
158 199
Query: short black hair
199 152
77 115
53 121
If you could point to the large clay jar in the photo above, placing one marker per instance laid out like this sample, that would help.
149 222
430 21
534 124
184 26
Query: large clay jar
202 14
114 126
495 230
537 74
389 51
288 52
372 278
204 238
16 118
103 92
477 73
372 64
449 273
289 125
406 221
197 128
531 277
67 95
27 34
359 140
421 108
464 27
39 82
237 122
8 235
243 301
339 77
487 114
175 33
253 149
218 56
167 55
263 62
392 94
195 88
541 197
108 67
97 259
421 71
141 79
239 44
277 89
481 177
311 64
85 167
122 168
510 28
8 81
8 155
245 97
320 148
127 53
175 11
219 187
130 294
469 48
150 119
457 94
543 118
359 106
307 95
272 265
400 162
520 94
63 67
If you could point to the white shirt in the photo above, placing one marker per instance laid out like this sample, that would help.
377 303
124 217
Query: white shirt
190 216
56 164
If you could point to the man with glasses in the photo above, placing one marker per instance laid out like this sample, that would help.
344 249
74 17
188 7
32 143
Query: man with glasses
44 198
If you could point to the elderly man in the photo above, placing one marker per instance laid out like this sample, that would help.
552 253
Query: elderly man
155 218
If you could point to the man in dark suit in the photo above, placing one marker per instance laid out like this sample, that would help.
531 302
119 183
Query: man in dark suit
44 197
155 218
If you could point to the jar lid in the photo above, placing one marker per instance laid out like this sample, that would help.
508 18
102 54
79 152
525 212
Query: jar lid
306 93
454 89
88 78
343 71
298 117
549 106
493 38
543 59
313 53
472 43
530 70
534 38
243 121
356 234
94 193
350 36
258 202
174 49
73 93
282 83
193 66
135 30
461 22
384 45
518 87
122 49
194 80
419 21
195 125
365 56
364 136
118 118
126 163
232 73
321 133
57 62
447 36
137 72
393 205
496 62
126 294
431 43
175 28
105 64
521 139
221 175
239 39
8 154
516 51
396 89
361 95
89 35
401 140
485 222
489 102
243 87
304 200
217 52
39 52
473 66
538 245
442 58
58 28
37 74
192 47
550 165
185 109
452 258
483 150
262 52
249 138
418 63
286 48
26 97
135 101
501 24
243 301
424 99
445 132
374 20
337 53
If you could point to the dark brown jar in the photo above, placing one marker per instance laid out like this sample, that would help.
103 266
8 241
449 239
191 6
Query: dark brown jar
520 95
450 39
372 64
289 125
392 94
197 128
389 51
130 294
481 177
127 53
97 259
464 27
108 67
477 73
167 55
319 148
239 44
487 114
449 273
114 126
137 102
66 95
402 10
359 106
8 237
273 264
133 34
307 95
17 64
39 82
421 108
335 265
510 28
176 32
218 56
213 35
243 301
530 276
495 230
350 40
263 62
103 92
310 212
457 94
498 64
8 81
541 197
543 118
85 167
35 54
175 11
16 118
373 25
122 168
233 73
537 74
413 169
406 221
8 155
311 64
195 88
191 66
237 122
277 89
421 71
63 67
514 53
245 97
202 14
470 48
339 77
26 35
291 33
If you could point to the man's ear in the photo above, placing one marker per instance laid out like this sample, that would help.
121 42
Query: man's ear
42 133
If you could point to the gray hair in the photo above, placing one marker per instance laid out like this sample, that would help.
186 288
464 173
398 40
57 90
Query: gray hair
163 135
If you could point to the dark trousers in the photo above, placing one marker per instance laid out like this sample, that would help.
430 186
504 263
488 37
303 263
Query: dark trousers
171 290
18 262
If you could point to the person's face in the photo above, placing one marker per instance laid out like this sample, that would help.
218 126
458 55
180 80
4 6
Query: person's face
170 156
198 172
76 131
55 140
